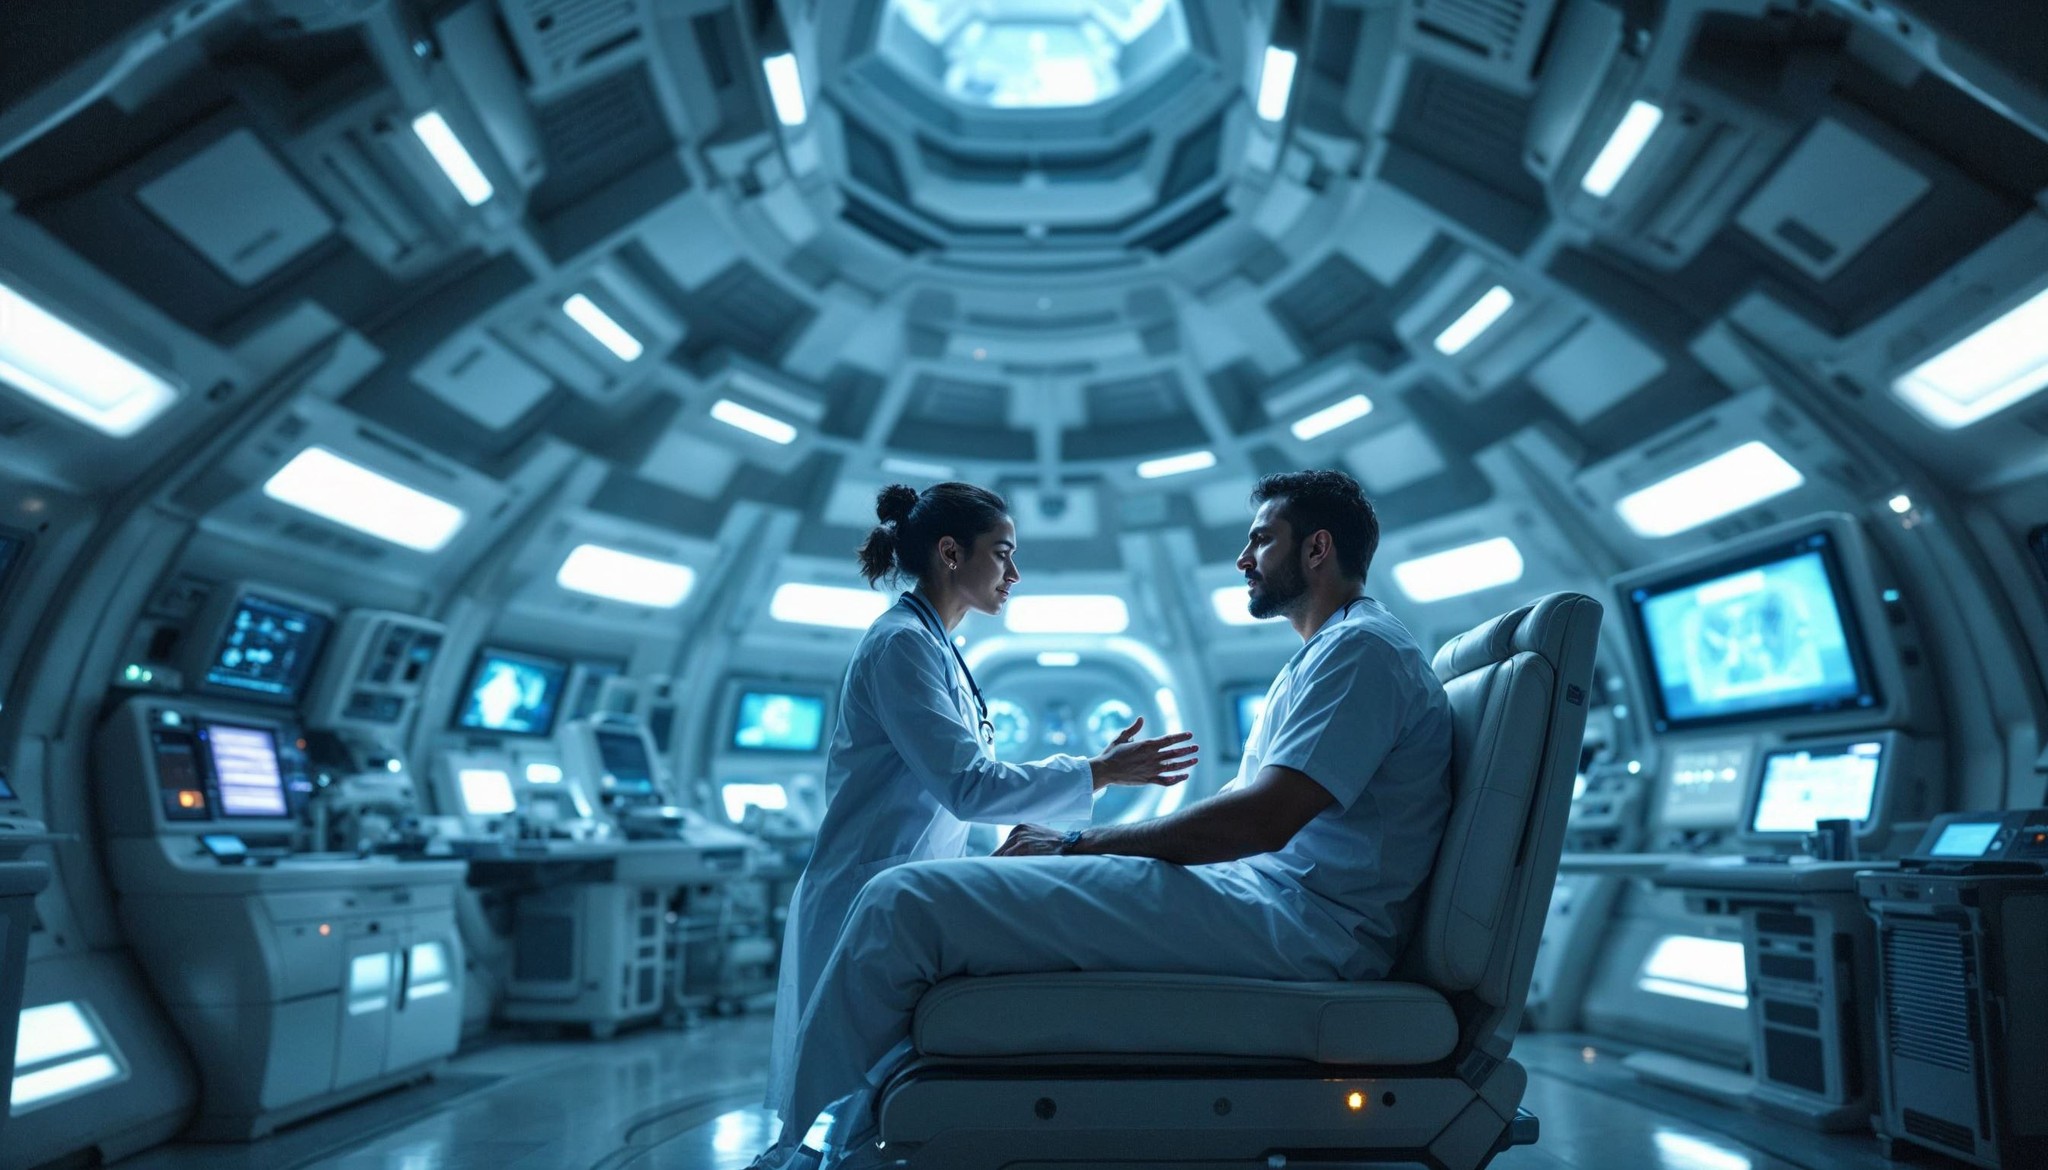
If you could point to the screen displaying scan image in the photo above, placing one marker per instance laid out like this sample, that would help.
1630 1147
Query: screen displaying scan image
769 721
1766 639
1804 786
512 694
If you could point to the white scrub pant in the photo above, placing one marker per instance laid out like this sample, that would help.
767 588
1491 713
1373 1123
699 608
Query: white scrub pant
923 922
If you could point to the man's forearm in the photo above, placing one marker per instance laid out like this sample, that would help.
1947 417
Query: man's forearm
1218 829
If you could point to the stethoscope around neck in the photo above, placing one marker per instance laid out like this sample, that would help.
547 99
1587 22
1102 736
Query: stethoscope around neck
930 617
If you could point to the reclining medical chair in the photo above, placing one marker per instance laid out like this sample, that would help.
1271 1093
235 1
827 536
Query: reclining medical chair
1125 1070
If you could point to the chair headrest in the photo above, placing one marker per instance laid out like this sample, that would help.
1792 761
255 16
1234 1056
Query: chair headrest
1481 646
1518 631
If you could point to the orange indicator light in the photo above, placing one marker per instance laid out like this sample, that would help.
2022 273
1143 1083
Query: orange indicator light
188 798
1356 1100
325 930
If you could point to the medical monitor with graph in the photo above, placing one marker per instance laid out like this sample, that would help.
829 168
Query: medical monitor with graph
1768 634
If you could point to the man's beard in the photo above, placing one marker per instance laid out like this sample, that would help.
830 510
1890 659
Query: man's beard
1277 593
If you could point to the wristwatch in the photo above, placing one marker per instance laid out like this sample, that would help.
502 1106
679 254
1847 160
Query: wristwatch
1069 839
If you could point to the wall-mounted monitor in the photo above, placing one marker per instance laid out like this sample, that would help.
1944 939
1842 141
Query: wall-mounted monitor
264 648
766 720
246 771
1799 786
1705 786
1247 705
627 768
511 693
1768 632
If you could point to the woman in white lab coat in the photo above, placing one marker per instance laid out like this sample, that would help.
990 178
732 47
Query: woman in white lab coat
912 761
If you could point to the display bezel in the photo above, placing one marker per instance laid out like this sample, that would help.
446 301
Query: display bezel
457 718
220 616
1888 748
737 702
1822 539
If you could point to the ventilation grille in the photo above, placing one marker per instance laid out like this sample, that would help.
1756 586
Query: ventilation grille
1940 1132
1329 306
981 404
593 127
1135 400
1485 28
748 311
557 38
1927 1006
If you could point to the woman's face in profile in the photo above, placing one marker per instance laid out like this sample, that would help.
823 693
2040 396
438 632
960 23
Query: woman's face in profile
989 569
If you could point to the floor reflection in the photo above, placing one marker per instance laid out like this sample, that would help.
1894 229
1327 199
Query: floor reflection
688 1100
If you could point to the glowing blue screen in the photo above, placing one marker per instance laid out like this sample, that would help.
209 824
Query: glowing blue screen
1764 639
770 722
513 694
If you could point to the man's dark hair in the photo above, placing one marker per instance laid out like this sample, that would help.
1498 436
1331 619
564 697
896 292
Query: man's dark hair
1311 500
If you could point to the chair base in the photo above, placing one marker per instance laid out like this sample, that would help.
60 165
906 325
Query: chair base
941 1116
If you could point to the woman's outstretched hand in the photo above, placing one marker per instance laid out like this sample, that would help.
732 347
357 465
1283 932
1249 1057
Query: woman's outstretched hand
1165 760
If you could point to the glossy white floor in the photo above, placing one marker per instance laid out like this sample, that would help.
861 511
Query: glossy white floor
687 1100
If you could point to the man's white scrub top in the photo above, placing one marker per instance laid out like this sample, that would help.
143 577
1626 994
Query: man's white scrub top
1359 711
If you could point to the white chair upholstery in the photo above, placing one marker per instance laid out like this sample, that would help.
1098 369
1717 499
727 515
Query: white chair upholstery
1185 1015
1518 687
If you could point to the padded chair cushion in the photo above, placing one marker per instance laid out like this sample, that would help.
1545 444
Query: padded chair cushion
1185 1015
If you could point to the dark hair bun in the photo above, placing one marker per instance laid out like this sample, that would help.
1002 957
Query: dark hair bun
894 503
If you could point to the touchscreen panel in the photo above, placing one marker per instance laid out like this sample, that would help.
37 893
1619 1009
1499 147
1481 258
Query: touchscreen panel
1803 787
246 771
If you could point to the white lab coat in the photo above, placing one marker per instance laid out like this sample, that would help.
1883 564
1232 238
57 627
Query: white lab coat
905 776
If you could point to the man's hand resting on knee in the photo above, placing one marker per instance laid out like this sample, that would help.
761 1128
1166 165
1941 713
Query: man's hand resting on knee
1259 817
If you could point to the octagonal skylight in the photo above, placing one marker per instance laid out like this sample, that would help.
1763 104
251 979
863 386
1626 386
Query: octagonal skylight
1037 54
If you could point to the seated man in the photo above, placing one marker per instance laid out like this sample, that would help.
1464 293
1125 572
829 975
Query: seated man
1307 866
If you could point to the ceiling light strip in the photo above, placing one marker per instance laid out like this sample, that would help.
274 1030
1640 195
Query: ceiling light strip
347 493
53 362
1623 147
1329 418
753 422
604 327
1477 319
453 158
1722 486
